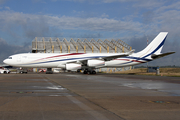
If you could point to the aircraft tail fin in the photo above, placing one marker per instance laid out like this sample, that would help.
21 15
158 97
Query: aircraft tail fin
154 47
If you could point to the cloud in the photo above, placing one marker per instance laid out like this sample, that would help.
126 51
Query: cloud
93 24
110 1
98 1
7 8
151 4
26 27
140 3
167 20
71 0
9 49
39 25
17 24
2 1
104 15
174 6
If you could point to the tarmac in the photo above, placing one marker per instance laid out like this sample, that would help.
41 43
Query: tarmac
75 96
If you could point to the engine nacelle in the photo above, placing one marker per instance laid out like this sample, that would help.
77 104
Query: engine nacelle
73 66
94 63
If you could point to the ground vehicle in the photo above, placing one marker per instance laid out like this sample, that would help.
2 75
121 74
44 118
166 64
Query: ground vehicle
4 70
22 70
42 70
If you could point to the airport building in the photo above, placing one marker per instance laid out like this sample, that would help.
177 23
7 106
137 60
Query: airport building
81 45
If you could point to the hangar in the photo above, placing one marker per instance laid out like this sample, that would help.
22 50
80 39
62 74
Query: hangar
81 45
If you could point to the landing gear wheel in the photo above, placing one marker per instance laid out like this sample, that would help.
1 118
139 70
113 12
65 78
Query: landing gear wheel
89 72
85 72
93 72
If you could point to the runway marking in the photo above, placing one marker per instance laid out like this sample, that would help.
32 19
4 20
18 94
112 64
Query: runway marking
94 113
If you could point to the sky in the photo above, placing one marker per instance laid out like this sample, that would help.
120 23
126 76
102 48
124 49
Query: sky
133 21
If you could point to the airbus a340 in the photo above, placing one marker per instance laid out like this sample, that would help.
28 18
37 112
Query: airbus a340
90 61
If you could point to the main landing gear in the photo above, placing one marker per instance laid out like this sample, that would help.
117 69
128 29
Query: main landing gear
89 72
49 71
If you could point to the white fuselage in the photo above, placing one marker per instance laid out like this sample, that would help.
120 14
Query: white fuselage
55 60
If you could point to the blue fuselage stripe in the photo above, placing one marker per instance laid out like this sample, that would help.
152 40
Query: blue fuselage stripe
162 43
64 60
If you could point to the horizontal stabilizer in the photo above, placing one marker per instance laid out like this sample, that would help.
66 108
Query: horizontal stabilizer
154 56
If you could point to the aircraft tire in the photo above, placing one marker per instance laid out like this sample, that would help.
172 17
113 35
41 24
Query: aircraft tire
85 72
93 72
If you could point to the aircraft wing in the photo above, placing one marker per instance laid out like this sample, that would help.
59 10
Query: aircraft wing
154 56
108 58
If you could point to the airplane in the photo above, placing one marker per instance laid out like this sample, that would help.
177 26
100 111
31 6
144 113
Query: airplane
90 61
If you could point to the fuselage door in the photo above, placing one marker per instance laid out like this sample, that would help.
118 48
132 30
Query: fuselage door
19 59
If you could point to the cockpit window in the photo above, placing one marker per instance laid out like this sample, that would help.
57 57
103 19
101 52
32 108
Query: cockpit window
10 58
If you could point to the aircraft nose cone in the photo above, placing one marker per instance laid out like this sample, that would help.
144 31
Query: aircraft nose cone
5 61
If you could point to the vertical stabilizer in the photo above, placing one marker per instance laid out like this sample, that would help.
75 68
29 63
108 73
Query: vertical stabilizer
155 46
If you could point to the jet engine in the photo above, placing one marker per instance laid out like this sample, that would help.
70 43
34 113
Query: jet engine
94 63
73 66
